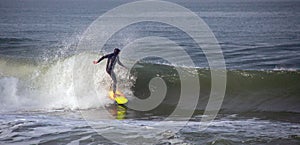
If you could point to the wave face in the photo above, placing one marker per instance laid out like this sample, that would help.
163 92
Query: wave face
27 85
246 90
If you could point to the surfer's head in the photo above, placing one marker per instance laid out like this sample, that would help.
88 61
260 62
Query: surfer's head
117 50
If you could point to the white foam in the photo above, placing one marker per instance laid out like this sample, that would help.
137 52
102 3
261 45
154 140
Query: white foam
52 86
8 90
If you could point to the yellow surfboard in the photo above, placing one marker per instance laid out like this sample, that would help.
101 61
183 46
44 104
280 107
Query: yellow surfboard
120 97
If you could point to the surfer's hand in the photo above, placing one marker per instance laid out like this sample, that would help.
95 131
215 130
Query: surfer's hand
95 62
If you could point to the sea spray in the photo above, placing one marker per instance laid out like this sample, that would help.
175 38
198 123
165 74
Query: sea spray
51 85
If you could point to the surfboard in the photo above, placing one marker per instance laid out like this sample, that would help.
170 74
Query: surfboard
120 97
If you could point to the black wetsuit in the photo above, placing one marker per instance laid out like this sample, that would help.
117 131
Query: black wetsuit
111 62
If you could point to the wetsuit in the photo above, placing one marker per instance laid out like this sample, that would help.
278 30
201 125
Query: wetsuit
111 62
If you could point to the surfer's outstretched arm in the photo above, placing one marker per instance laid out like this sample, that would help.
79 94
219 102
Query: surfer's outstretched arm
105 56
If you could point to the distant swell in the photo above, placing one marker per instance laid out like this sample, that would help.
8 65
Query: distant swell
15 40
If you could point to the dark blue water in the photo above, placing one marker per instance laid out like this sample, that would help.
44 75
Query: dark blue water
252 34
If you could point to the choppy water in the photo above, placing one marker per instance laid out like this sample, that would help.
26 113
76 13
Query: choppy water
56 128
38 39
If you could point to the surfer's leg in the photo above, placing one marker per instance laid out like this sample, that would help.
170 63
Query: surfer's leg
113 76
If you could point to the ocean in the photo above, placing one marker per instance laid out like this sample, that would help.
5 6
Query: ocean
51 93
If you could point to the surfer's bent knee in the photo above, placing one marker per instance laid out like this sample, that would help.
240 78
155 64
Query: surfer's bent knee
108 71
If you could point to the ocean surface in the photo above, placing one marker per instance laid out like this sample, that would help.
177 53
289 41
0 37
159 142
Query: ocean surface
51 93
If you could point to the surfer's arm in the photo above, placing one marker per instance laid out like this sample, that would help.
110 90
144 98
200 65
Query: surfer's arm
105 56
120 63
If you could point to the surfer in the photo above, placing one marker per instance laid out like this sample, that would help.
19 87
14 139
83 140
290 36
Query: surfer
112 58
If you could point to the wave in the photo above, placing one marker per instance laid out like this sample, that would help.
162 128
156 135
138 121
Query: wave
246 90
15 40
75 83
30 85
